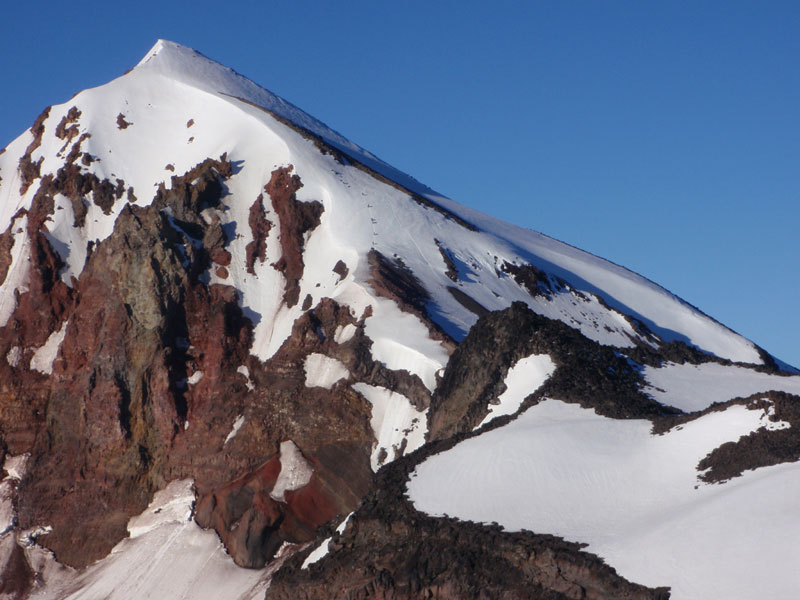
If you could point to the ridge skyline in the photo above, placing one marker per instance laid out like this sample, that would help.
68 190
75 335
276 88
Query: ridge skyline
700 259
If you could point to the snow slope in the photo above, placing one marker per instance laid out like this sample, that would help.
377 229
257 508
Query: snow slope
632 496
183 108
695 387
166 556
525 377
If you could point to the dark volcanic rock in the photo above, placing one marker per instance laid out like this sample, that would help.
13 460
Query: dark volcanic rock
761 448
587 373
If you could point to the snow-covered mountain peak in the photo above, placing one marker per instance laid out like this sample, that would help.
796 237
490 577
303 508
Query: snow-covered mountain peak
190 67
199 282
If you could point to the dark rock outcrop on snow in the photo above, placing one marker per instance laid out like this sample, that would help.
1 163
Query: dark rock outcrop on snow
587 373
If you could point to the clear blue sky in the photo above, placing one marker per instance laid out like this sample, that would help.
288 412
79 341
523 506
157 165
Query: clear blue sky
664 136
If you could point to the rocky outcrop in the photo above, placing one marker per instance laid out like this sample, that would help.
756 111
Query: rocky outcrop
154 373
6 244
256 514
67 128
587 373
259 228
296 219
105 421
761 448
28 168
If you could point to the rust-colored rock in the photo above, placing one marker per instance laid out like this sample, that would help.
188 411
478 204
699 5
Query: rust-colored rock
122 123
28 169
68 128
259 228
296 219
253 523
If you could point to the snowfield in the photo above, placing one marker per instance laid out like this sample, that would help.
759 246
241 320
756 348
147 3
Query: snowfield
634 497
399 427
695 387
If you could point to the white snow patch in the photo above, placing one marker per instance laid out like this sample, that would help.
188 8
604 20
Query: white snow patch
8 516
17 275
695 387
14 355
168 505
322 550
16 466
295 472
399 427
633 497
243 370
195 378
15 469
27 537
401 342
237 425
344 333
771 425
42 359
324 371
524 378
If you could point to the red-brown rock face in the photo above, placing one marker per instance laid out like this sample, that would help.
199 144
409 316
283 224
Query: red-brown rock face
296 218
154 372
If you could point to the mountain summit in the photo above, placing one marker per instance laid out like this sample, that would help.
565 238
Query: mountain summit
240 356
